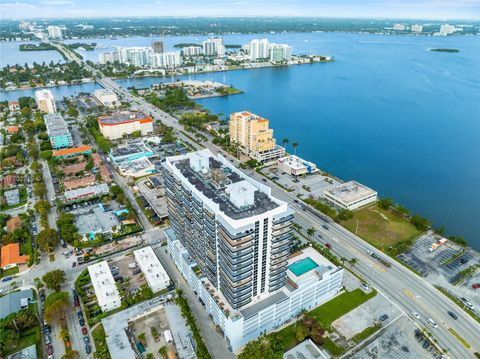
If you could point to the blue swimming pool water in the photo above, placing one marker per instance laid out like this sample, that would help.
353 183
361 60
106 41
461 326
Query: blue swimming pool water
303 266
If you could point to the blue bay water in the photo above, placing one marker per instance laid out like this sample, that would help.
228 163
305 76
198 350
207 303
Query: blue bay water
388 113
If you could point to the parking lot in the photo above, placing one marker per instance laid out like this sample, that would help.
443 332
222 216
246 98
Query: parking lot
366 315
311 185
121 270
398 341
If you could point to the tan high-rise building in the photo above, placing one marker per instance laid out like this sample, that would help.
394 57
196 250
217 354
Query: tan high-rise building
45 101
255 138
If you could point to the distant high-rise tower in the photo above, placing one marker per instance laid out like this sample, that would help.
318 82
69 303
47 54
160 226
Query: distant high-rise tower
157 46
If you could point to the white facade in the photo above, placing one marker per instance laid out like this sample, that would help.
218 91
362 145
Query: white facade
399 27
416 28
280 52
350 195
105 97
139 167
296 166
213 46
258 49
147 57
104 285
241 326
108 57
125 124
156 276
54 32
45 101
190 51
446 29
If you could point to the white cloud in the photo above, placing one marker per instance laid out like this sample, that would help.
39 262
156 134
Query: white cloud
56 2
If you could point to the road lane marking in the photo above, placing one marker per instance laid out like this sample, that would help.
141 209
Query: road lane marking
408 293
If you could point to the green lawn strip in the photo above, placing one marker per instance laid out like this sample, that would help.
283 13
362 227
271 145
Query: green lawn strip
459 338
327 313
99 338
458 303
378 231
366 333
9 271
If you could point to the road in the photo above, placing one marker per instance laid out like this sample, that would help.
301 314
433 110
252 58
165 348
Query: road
403 287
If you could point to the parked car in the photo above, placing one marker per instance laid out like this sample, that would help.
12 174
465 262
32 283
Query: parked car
452 314
328 245
86 339
81 322
80 314
74 264
432 323
383 317
476 285
49 350
365 286
84 331
426 344
88 349
47 339
6 279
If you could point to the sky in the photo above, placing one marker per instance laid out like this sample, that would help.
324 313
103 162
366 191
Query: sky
426 9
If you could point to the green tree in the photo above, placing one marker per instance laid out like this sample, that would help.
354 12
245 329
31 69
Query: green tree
55 306
47 239
295 146
311 231
54 279
385 203
46 155
353 261
163 351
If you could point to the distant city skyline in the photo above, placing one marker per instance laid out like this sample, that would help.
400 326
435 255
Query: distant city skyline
411 9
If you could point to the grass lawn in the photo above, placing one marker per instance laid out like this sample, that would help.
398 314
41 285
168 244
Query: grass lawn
9 272
98 335
380 227
327 313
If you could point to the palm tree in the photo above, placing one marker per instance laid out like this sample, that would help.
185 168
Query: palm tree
311 231
353 261
285 142
343 259
163 351
295 145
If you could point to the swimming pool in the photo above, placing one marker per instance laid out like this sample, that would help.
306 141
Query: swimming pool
302 266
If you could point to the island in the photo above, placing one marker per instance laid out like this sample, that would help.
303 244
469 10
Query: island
444 50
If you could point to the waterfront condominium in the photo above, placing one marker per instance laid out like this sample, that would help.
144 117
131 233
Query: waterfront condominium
58 132
45 101
231 240
253 136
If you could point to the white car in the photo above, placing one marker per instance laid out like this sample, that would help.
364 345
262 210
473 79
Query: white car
415 314
432 323
369 252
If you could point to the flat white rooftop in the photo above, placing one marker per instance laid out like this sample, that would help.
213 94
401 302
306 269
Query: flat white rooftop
306 264
350 192
156 276
104 285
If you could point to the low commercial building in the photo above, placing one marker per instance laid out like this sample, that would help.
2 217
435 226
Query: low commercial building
12 197
57 130
45 101
350 195
72 152
130 151
311 280
96 220
106 291
125 123
105 97
296 166
156 276
137 168
306 350
11 257
14 302
78 182
86 192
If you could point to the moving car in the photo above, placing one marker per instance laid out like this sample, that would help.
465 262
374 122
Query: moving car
369 252
452 314
415 314
325 226
432 323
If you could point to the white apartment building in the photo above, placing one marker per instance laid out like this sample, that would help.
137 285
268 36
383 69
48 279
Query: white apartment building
350 195
295 166
108 57
280 52
213 47
147 57
125 123
258 49
446 29
165 60
191 51
156 276
106 291
45 101
307 290
55 32
399 27
105 97
416 28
